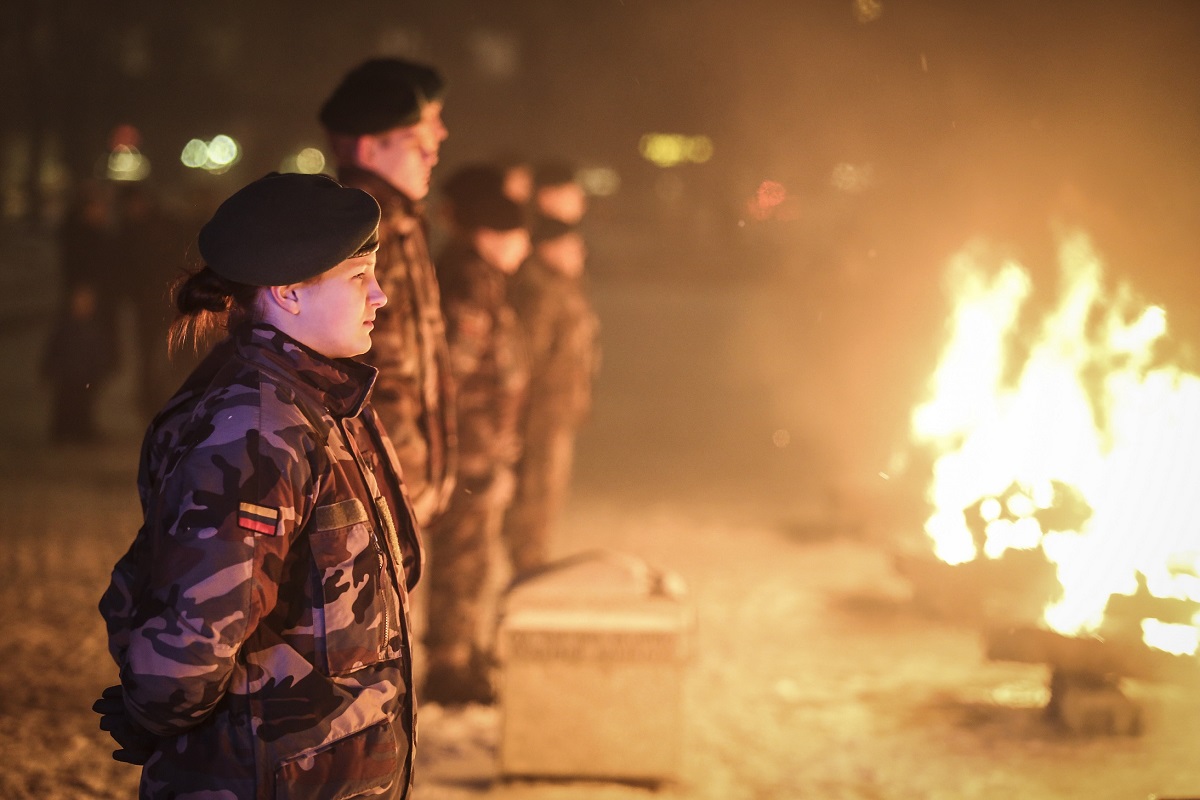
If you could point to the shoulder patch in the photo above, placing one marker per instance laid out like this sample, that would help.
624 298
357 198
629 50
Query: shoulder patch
260 519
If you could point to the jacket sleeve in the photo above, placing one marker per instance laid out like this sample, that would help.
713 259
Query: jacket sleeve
219 529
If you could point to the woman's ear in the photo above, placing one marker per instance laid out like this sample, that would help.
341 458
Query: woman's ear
286 298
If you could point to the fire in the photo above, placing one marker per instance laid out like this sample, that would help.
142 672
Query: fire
1077 442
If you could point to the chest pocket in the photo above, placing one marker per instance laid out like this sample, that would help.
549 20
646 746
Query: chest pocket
359 609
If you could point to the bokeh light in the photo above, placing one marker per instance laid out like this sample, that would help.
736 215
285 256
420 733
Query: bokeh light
215 156
673 149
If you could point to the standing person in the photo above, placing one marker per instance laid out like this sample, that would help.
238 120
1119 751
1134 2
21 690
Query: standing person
385 129
561 342
260 617
90 272
153 246
490 372
77 358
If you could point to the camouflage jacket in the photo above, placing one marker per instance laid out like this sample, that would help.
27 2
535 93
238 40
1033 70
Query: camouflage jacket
260 617
487 355
561 331
414 393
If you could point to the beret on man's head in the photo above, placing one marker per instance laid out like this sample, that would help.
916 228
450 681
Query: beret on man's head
475 193
553 173
380 94
473 181
286 228
489 210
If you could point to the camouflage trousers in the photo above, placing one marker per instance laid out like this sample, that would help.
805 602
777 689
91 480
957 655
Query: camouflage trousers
461 545
543 477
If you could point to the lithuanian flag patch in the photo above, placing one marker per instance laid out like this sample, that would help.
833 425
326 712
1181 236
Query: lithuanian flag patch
259 519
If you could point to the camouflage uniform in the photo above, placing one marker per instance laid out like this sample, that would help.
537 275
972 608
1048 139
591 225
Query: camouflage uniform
490 371
561 340
414 392
260 617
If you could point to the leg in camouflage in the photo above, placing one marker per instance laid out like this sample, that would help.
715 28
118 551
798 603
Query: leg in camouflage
459 549
543 478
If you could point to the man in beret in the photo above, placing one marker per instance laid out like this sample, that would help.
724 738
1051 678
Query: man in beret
487 356
385 128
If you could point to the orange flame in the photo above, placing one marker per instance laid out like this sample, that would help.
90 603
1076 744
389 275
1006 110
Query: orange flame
1077 442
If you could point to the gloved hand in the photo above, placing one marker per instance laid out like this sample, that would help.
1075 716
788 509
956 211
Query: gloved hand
136 743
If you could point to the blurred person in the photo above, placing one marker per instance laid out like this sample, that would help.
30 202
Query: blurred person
463 189
88 257
385 130
76 361
561 336
487 356
518 179
557 194
153 247
259 619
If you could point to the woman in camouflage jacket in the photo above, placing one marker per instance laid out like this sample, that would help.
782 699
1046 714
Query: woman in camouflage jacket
260 617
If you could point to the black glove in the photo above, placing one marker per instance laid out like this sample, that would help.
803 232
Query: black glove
136 743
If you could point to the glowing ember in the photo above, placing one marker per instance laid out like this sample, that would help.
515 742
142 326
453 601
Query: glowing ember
1077 442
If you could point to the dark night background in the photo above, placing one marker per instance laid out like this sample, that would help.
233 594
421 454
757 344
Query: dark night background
770 318
820 317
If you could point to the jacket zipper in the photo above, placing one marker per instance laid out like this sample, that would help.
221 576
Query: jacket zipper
352 446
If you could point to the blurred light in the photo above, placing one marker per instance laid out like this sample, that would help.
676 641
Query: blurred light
127 164
673 149
868 10
497 54
222 151
781 438
194 154
767 196
215 156
309 161
124 136
599 181
852 178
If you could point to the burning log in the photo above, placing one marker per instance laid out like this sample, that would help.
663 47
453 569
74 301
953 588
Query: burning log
1089 655
1086 673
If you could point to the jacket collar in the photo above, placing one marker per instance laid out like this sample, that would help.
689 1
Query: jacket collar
399 210
343 385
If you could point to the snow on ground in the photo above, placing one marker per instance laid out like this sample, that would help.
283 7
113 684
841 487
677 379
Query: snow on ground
813 675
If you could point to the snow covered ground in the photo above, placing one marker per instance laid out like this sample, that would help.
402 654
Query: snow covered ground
813 674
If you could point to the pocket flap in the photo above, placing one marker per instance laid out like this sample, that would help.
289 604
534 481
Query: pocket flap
340 515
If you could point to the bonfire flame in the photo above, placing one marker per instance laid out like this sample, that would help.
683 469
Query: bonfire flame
1078 442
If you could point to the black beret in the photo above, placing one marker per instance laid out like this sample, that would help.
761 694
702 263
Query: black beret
491 210
473 181
553 173
287 228
546 228
380 94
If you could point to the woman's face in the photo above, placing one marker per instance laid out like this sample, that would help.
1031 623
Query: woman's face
335 313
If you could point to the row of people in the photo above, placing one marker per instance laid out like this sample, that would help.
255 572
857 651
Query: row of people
361 409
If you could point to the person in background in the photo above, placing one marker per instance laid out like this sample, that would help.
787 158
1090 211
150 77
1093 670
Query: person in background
259 620
561 337
385 130
76 361
487 356
557 194
153 246
90 273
